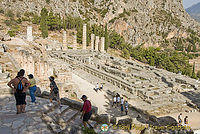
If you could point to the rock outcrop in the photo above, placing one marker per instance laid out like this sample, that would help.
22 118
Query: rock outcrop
140 22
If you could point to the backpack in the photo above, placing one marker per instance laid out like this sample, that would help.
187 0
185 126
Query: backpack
20 85
55 88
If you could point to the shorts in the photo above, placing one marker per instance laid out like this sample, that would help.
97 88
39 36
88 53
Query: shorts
54 96
20 98
87 116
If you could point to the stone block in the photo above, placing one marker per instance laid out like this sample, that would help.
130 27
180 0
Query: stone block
76 105
125 121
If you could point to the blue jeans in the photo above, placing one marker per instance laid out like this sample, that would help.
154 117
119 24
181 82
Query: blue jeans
32 91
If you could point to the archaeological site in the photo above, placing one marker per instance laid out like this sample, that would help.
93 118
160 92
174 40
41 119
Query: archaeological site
136 61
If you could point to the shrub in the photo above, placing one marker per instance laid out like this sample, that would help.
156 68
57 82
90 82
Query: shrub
10 14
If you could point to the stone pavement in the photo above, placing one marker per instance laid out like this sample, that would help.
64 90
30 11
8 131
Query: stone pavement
29 122
38 119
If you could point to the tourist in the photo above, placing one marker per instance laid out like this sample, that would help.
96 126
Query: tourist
180 119
114 101
122 101
86 111
101 87
126 104
122 109
126 107
118 99
19 86
126 110
32 88
97 87
186 121
54 92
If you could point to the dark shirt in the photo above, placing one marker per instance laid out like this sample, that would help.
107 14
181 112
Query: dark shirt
53 85
87 106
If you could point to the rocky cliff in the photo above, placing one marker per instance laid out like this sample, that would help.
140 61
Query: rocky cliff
149 22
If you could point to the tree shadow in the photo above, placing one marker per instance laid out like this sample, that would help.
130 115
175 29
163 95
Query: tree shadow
194 96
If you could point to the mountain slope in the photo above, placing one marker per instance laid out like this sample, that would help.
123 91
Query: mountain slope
194 11
149 22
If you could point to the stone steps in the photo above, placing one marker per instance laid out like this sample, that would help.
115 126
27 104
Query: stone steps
62 120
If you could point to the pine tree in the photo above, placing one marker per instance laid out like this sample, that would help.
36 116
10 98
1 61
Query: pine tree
43 23
106 38
193 72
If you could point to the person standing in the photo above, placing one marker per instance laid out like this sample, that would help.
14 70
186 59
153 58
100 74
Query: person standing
186 121
118 99
54 91
180 119
126 107
97 87
101 87
122 109
86 111
32 88
122 101
19 85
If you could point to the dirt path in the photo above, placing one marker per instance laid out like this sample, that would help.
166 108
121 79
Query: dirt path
194 119
97 98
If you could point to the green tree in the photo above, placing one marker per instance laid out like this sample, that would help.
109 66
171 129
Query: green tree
106 37
43 23
125 53
198 74
193 72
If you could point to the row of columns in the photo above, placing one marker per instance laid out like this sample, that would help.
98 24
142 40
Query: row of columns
97 43
41 69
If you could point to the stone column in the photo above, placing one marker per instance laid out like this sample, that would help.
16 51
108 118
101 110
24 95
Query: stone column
75 42
92 41
102 44
29 33
97 43
84 36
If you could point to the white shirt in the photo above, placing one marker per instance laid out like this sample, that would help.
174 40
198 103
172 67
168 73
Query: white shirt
122 101
115 99
118 99
97 86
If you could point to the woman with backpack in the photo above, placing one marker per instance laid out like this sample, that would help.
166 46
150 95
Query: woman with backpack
54 91
19 85
32 88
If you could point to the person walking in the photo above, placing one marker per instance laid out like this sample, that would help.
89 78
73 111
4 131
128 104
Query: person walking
180 119
54 91
32 88
19 85
86 111
126 107
114 101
